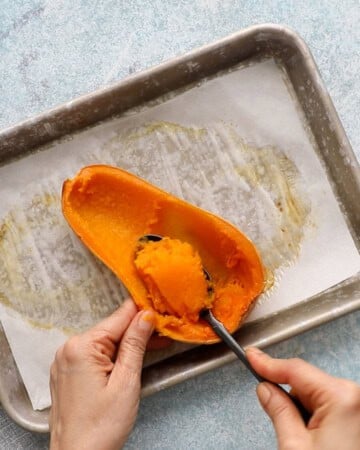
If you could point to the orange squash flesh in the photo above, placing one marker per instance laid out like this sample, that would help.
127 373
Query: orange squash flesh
110 209
173 274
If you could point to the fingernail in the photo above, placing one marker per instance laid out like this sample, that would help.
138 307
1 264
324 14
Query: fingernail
264 393
146 320
255 351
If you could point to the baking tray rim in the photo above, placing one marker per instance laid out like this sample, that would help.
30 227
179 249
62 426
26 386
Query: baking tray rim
267 29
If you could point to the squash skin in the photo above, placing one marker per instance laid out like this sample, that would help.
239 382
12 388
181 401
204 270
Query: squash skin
110 209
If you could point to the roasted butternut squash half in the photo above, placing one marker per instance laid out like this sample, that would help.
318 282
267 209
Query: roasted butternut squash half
111 210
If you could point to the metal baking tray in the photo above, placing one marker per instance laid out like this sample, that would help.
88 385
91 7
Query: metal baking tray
254 43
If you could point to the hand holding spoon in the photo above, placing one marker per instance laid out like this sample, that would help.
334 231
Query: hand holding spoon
228 339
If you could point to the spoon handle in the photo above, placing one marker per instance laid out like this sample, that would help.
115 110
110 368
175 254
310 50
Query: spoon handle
222 332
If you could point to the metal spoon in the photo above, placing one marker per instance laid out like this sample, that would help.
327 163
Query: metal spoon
239 351
228 339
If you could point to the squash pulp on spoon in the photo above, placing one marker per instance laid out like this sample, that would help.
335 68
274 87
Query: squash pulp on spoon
110 209
173 274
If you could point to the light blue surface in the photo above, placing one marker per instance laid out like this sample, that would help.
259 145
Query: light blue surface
52 51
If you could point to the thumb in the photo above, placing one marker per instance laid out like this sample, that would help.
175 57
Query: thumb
133 344
289 426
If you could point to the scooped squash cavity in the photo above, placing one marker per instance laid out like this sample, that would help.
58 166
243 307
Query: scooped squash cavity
110 210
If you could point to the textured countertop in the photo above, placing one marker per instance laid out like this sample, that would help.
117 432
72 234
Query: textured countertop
52 51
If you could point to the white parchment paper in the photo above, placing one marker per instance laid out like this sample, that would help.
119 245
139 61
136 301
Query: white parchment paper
235 145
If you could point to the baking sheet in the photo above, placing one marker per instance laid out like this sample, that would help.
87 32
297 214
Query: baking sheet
235 145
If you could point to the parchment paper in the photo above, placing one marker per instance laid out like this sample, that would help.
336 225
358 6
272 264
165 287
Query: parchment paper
235 145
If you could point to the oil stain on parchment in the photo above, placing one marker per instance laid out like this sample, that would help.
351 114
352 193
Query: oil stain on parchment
47 275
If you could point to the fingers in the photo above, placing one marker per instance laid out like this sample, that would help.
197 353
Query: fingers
132 347
309 382
115 325
289 427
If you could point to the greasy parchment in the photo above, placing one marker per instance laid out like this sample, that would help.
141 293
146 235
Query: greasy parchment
234 145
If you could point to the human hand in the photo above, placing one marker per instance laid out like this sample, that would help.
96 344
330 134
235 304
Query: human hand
333 402
95 382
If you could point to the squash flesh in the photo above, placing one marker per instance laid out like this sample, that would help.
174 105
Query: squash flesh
111 209
173 274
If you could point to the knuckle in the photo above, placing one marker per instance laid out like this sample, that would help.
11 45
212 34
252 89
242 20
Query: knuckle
71 351
350 397
296 363
102 342
279 410
134 344
100 334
